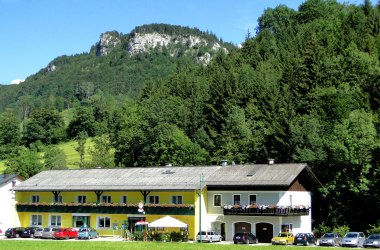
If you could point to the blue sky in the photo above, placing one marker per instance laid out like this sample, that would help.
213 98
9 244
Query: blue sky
34 32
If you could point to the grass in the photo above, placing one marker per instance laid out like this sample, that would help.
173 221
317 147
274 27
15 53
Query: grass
72 156
12 244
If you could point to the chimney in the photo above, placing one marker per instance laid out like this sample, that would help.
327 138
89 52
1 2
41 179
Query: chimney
223 163
270 161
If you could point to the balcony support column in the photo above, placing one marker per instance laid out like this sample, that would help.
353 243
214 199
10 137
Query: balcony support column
56 193
145 194
98 194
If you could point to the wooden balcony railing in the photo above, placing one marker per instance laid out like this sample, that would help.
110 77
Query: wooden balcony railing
265 210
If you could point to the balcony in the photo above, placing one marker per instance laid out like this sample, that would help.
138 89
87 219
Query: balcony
255 210
106 208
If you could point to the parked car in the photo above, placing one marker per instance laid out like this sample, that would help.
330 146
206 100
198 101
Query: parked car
283 238
330 239
208 236
38 232
304 239
48 232
353 239
14 232
29 232
245 237
372 241
65 233
87 233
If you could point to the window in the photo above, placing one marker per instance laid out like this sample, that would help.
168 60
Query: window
81 198
104 222
106 198
36 220
177 199
217 200
291 200
154 199
35 198
124 199
287 227
252 199
59 199
236 199
55 220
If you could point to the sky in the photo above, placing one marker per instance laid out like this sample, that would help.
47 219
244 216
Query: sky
34 32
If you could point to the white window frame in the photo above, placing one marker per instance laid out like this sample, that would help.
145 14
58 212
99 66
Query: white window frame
155 198
57 222
233 199
106 199
82 199
213 200
104 218
35 198
249 199
124 199
175 199
38 218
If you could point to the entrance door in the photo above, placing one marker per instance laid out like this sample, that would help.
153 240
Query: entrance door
264 232
223 231
81 221
242 227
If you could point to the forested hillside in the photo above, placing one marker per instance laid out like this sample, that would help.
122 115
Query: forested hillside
304 88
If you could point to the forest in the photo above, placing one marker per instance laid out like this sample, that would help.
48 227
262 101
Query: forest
303 88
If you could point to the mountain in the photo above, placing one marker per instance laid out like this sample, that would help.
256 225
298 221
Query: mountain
117 65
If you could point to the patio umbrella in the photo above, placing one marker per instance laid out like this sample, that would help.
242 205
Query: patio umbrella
141 222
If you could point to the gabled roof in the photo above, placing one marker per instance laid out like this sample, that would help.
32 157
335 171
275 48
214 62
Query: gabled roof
162 178
5 178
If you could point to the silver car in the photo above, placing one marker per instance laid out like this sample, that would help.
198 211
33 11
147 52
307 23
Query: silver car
372 241
48 232
330 239
38 232
353 239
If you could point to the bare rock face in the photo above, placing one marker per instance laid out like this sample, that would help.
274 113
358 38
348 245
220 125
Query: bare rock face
107 42
144 42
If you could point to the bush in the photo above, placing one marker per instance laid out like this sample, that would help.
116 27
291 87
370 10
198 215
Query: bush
342 230
175 236
374 230
139 236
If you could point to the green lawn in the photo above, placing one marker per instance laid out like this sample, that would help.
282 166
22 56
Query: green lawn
12 244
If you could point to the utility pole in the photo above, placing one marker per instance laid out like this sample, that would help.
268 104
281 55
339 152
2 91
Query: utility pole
200 208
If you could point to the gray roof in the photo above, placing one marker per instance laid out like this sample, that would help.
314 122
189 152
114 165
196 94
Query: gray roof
162 178
5 178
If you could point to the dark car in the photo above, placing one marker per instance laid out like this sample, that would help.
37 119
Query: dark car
29 232
330 239
304 239
14 232
372 241
245 237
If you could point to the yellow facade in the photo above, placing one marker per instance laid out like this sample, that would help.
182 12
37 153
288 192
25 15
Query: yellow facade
116 220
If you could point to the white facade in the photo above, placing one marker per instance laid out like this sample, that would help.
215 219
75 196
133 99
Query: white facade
217 221
8 215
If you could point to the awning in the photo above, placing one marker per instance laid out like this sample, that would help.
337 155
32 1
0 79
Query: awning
167 221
